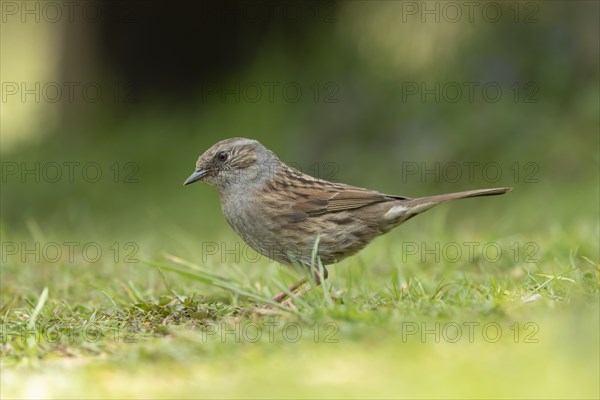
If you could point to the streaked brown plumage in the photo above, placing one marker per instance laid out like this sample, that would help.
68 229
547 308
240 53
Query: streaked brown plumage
279 211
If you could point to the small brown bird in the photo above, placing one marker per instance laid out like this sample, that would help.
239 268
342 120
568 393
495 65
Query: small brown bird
281 212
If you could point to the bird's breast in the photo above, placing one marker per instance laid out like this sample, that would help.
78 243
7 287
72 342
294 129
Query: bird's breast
253 222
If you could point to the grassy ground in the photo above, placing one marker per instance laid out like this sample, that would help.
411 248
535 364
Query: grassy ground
132 286
401 319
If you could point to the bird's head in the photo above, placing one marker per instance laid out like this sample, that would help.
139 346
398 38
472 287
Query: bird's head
233 162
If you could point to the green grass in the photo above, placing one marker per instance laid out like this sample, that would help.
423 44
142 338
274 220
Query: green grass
159 314
386 324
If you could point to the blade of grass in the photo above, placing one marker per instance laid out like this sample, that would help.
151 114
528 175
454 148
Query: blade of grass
31 339
316 264
38 308
210 279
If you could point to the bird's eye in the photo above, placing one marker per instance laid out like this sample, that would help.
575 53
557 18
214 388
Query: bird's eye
222 156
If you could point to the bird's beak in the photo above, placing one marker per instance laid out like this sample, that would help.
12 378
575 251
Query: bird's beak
196 176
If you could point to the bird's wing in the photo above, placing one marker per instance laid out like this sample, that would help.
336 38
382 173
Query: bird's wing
337 197
310 197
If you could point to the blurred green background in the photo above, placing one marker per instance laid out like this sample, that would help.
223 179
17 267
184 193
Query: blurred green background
169 79
358 92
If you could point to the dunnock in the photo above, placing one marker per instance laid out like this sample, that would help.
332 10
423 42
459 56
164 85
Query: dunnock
280 212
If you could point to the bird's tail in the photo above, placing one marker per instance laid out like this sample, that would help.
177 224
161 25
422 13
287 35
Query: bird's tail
458 195
408 208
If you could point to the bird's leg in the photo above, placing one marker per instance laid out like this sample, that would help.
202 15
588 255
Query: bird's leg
283 295
297 290
299 293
